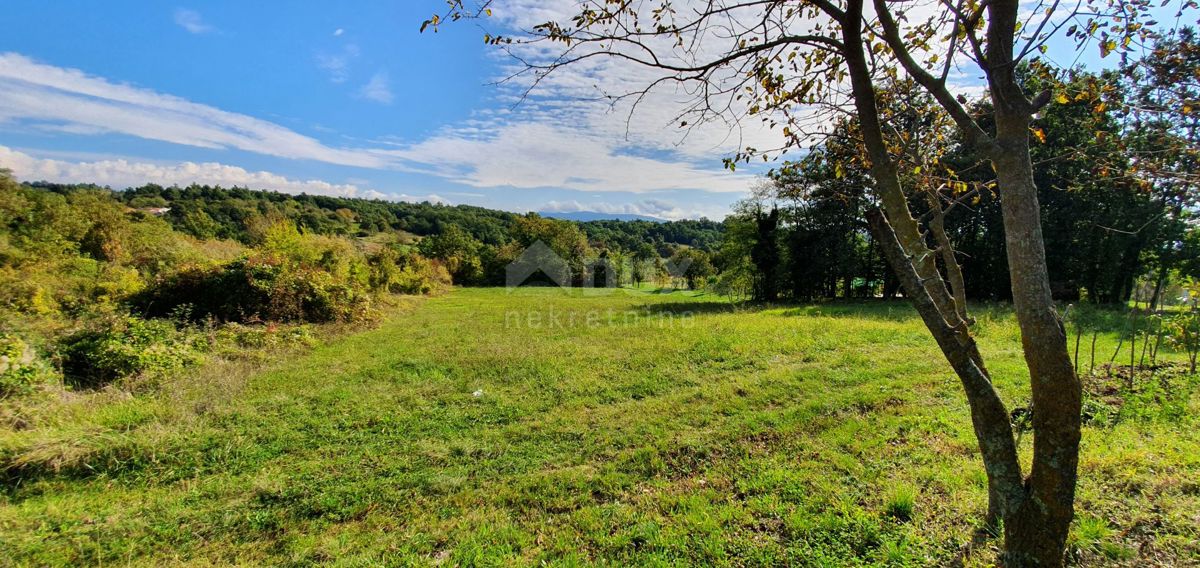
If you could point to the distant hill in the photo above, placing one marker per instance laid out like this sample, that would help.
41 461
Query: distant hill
583 216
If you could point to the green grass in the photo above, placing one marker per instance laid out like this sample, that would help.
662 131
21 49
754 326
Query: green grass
495 428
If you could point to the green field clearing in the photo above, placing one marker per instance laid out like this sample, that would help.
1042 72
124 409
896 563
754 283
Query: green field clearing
489 427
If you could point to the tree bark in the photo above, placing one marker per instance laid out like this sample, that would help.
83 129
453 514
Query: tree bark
1038 514
989 417
937 226
914 264
1036 527
883 168
1036 532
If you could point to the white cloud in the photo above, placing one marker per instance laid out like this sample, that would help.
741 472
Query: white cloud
191 21
533 155
377 89
67 99
587 93
337 65
121 173
338 32
658 208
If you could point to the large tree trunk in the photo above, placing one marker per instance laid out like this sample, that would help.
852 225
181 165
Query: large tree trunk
915 266
1037 513
1036 532
989 417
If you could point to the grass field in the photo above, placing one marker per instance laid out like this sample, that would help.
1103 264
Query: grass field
539 426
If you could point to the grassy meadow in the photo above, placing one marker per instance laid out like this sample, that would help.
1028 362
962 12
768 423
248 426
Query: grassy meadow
488 427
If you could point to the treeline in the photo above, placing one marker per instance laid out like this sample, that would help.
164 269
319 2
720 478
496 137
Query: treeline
475 244
1114 155
242 214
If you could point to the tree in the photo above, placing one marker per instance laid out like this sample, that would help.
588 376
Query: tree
458 251
765 255
1163 132
771 59
564 238
825 203
696 266
732 259
642 265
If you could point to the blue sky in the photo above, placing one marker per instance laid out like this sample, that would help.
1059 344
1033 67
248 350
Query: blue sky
346 99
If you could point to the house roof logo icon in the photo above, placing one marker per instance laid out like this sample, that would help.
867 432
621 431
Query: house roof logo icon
537 257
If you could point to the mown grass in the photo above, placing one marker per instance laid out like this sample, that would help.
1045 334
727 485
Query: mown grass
490 427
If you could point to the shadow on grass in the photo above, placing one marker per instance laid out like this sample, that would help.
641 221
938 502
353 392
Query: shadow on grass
877 309
895 310
1104 318
698 308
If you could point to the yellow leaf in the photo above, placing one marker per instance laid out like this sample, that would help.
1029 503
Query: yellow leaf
1037 133
1062 99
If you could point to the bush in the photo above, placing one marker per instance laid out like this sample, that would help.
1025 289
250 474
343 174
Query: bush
126 347
407 273
252 289
20 368
264 336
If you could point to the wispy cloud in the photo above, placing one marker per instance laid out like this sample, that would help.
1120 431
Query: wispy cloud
537 155
48 97
377 89
121 173
337 65
659 208
338 32
191 21
593 94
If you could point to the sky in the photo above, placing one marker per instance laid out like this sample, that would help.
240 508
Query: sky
346 99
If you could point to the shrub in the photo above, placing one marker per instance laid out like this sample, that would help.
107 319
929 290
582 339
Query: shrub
407 273
263 288
421 276
126 347
20 368
263 336
17 292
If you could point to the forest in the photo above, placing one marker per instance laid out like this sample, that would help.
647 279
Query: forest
1113 163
